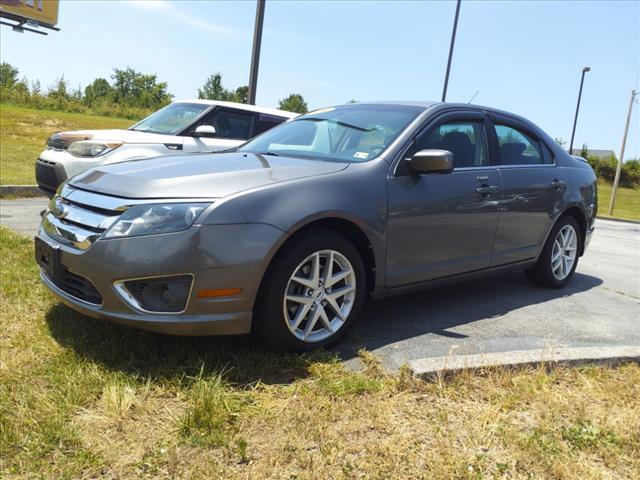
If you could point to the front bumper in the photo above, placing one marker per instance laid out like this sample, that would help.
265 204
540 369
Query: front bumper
218 257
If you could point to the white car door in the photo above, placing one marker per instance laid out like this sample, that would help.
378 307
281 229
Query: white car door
233 127
203 144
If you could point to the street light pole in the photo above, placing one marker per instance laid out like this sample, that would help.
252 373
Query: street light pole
453 41
255 55
616 180
575 120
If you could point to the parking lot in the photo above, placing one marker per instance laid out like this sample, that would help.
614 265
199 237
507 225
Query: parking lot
599 308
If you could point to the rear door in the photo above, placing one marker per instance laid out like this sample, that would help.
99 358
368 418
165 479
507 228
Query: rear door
443 224
533 187
233 128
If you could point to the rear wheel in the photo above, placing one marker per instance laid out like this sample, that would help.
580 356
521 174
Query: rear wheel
559 258
312 292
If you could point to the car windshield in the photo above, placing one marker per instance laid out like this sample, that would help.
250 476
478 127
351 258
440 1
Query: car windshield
351 133
171 119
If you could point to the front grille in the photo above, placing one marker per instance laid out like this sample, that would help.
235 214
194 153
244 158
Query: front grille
76 286
47 175
71 220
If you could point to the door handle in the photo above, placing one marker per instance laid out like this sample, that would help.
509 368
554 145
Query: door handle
486 190
558 184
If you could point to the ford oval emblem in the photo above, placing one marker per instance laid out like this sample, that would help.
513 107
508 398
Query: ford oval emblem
61 208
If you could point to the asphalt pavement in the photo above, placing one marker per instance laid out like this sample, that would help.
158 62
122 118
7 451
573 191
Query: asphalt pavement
600 308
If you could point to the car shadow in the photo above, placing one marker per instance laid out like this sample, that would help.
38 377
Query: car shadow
438 310
159 357
244 361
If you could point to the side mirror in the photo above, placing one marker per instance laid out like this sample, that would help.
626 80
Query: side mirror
207 131
431 161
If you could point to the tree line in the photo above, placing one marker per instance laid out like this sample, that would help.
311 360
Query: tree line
128 93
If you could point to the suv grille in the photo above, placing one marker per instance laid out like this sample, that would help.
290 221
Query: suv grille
47 175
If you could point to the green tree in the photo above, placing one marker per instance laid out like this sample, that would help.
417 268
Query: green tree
36 88
213 89
22 86
59 89
97 91
584 153
139 90
241 94
8 75
293 103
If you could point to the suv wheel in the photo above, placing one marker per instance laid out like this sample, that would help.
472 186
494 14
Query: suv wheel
312 292
559 258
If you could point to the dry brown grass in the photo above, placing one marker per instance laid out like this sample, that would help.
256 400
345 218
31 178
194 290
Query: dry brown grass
84 399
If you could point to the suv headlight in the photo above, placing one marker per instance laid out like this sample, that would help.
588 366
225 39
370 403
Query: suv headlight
155 218
91 148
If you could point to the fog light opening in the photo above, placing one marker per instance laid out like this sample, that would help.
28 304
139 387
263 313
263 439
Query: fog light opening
158 295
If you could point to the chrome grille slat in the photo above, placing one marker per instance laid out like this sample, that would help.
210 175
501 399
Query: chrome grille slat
76 214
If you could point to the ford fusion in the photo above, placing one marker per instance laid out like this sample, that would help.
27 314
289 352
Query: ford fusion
287 236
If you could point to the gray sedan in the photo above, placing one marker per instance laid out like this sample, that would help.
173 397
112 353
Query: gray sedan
288 235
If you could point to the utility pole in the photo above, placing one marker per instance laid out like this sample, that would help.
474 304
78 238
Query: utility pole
575 119
453 41
255 55
612 202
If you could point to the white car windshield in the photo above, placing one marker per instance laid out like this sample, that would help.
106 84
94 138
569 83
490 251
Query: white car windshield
171 119
351 133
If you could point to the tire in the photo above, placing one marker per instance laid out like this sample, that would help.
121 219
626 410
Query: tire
552 271
276 317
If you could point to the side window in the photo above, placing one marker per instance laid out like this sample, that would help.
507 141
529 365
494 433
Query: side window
518 147
465 139
265 121
231 124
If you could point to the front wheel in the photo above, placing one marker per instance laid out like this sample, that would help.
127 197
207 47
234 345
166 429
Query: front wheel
312 292
559 258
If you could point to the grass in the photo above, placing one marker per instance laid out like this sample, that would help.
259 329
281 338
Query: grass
24 132
81 398
627 202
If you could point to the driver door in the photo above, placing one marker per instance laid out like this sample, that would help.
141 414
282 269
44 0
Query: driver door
444 224
233 128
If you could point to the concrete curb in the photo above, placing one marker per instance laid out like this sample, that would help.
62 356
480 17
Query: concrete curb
621 220
424 367
20 191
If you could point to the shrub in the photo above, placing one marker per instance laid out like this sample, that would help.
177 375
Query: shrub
605 169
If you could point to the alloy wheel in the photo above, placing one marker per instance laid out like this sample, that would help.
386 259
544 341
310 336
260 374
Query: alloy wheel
319 296
565 249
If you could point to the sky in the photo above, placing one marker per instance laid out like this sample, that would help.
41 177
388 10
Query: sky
525 57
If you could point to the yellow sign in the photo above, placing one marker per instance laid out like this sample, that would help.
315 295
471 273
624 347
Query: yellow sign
42 11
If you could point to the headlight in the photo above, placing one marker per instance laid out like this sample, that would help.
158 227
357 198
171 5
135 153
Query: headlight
156 218
90 148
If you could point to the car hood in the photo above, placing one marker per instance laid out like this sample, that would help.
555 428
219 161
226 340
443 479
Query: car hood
198 175
63 139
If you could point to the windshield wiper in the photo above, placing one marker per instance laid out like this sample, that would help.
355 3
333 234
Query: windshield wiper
339 122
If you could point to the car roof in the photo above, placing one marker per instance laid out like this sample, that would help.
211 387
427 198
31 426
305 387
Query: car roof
241 106
426 105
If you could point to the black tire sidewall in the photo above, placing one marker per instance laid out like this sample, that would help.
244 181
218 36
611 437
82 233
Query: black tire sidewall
269 323
542 273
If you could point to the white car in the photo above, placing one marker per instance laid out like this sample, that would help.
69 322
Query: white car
188 126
